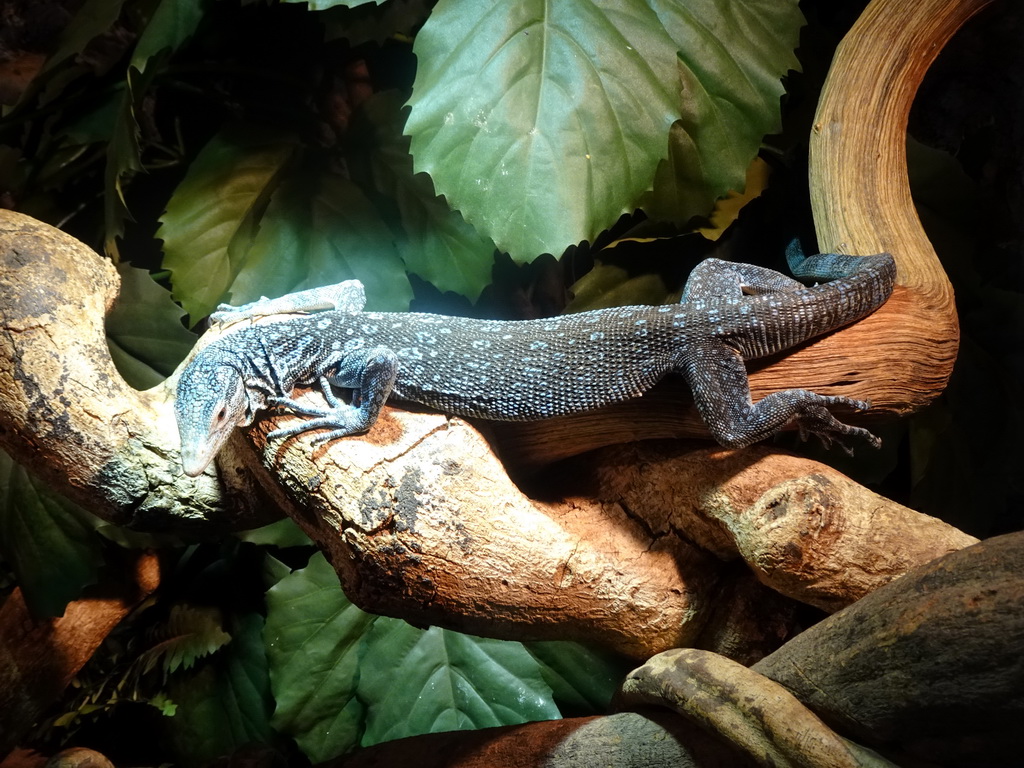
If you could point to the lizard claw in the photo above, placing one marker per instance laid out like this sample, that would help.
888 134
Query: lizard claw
817 420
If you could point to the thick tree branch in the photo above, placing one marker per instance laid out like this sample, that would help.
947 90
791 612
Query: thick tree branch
420 518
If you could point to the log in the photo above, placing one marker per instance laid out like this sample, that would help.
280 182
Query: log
929 667
65 411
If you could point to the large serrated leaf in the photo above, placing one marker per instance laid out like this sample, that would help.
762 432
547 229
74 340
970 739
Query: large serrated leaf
438 244
338 672
210 220
543 122
449 681
731 61
48 540
321 229
313 637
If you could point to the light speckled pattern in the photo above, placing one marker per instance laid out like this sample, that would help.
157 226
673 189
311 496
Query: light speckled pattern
535 369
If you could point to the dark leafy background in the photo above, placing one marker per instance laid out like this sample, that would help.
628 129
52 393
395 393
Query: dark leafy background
494 159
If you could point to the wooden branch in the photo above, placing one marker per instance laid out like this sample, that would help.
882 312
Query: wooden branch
632 551
420 520
65 411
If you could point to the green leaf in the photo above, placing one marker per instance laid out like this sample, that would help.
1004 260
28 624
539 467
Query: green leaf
282 533
449 681
582 679
320 229
438 244
124 155
144 331
94 18
172 23
337 672
609 285
210 220
731 61
48 540
227 703
374 24
543 122
313 636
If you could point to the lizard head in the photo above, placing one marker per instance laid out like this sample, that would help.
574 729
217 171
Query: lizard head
211 401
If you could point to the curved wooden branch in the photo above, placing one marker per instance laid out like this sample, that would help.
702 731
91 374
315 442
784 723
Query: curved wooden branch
65 411
860 190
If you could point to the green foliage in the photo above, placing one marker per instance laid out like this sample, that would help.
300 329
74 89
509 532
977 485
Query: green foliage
189 633
144 331
313 636
460 682
582 679
204 244
227 703
544 122
333 669
437 243
49 541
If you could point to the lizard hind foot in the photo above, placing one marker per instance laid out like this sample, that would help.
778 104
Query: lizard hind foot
817 420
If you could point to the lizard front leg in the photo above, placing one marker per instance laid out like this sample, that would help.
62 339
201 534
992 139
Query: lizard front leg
369 373
718 378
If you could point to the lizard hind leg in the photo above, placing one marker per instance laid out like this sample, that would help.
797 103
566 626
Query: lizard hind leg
371 374
718 378
718 279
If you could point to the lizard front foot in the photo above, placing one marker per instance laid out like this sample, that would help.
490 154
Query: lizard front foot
341 420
